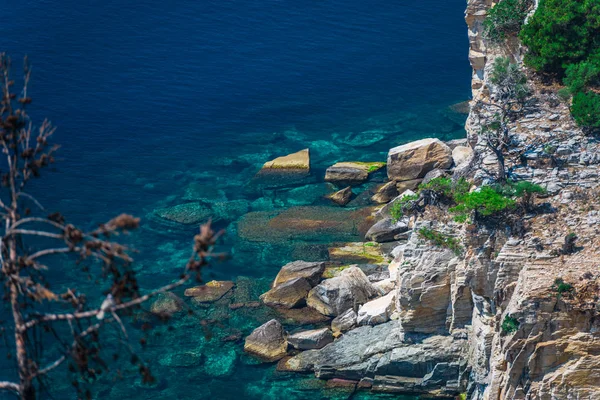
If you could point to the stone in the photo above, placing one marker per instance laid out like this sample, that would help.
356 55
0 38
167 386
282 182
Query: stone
300 316
377 311
358 253
210 292
341 197
462 154
289 294
385 193
412 184
184 214
267 342
220 363
351 172
294 162
166 304
312 339
414 160
311 271
386 230
344 322
336 295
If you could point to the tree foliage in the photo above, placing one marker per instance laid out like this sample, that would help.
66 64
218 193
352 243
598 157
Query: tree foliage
485 202
586 109
505 19
562 33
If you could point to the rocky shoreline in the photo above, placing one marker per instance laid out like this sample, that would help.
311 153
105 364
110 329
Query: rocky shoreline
404 315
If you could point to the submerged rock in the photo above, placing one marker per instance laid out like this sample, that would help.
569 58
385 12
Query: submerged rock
336 295
359 253
267 342
289 294
414 160
314 224
166 304
313 339
220 363
341 197
186 214
210 292
351 172
311 271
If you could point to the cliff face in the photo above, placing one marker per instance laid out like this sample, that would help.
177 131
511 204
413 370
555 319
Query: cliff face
554 353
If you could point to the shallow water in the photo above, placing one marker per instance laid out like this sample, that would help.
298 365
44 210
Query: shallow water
160 104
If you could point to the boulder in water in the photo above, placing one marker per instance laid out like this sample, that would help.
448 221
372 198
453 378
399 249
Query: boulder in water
267 342
351 172
385 193
295 162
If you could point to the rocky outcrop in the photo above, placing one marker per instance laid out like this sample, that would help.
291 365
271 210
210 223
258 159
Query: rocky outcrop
389 360
415 159
336 295
344 322
267 342
351 172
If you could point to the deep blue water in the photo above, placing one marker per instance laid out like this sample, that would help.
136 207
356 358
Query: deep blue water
152 98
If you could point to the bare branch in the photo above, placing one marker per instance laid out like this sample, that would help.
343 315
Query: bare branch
93 313
34 233
5 385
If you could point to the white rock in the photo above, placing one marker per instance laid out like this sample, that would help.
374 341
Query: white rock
377 311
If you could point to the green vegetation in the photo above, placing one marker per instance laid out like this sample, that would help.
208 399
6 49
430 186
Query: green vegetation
485 202
510 80
561 287
524 190
510 324
563 38
398 207
462 396
505 19
586 109
562 33
441 240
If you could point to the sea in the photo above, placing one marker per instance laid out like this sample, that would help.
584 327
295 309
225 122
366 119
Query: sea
167 110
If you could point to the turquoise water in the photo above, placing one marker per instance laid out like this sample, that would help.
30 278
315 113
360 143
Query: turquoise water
160 104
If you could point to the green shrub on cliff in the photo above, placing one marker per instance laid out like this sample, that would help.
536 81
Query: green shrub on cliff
561 33
442 240
397 209
485 202
505 19
583 76
586 109
510 324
